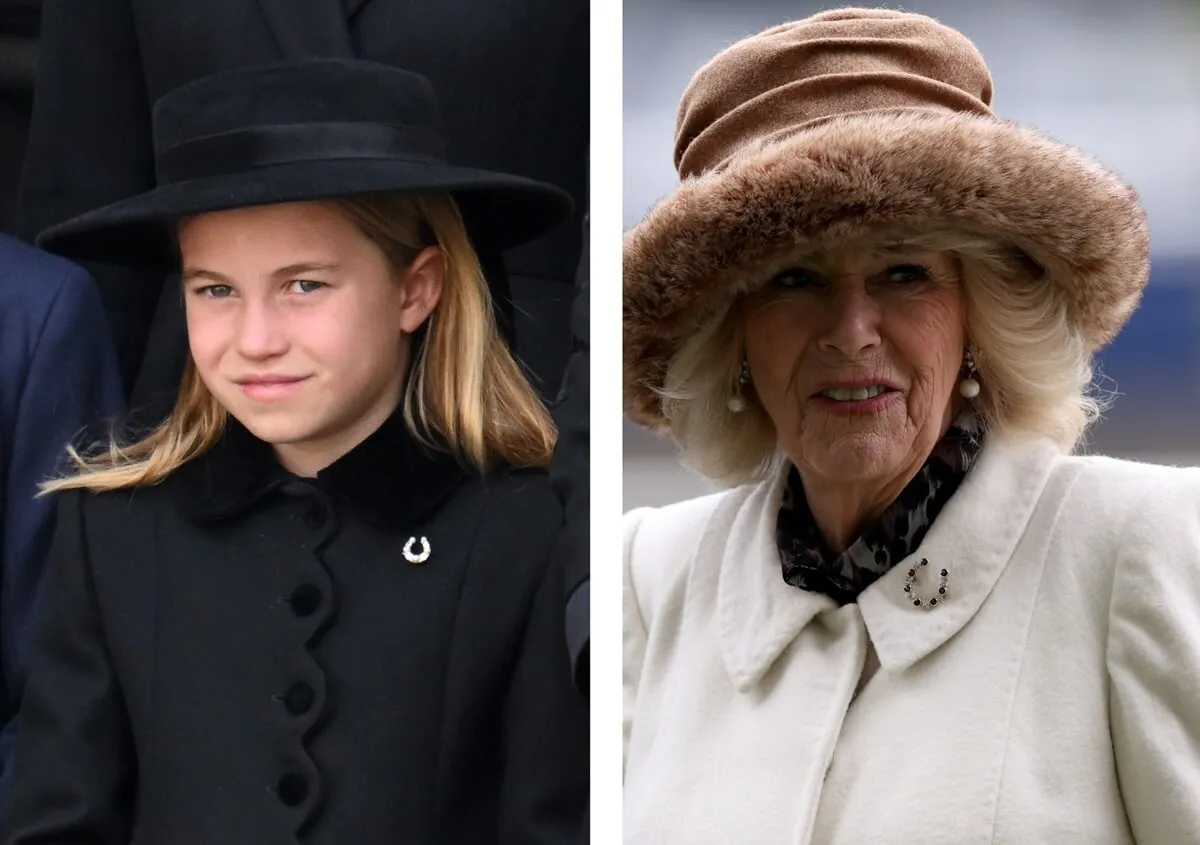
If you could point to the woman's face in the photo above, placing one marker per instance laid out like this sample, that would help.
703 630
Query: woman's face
299 326
856 362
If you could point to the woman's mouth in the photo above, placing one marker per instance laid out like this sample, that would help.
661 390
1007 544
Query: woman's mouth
859 399
853 394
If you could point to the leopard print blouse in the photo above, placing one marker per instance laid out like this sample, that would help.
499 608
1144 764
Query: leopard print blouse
808 563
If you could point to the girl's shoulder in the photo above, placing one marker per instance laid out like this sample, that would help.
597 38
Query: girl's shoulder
116 531
518 521
128 505
523 496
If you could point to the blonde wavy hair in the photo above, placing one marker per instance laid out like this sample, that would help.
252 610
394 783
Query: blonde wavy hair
465 394
1035 368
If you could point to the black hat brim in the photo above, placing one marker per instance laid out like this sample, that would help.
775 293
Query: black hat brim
501 211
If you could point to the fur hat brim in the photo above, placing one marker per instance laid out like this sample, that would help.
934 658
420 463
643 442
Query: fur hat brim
841 181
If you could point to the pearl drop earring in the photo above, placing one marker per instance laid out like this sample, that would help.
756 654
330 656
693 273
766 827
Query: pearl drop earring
969 387
736 402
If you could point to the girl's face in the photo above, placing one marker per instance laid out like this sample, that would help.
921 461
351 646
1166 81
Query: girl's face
299 326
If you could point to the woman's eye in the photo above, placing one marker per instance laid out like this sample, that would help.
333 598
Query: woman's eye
907 274
794 277
215 291
306 286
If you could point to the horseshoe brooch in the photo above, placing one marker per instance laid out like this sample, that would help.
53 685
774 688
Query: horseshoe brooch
419 556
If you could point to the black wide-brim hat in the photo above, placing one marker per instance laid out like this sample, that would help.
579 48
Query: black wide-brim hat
294 132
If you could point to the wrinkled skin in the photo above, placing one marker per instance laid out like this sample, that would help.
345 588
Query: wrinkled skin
898 320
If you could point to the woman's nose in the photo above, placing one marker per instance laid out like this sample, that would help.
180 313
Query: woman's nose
851 324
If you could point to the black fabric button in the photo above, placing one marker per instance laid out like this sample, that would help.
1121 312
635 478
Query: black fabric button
305 600
293 789
299 698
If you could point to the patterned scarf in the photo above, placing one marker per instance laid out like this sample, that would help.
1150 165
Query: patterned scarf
808 563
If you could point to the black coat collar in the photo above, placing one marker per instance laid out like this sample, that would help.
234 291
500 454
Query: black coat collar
389 479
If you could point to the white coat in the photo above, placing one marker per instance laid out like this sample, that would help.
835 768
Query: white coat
1054 698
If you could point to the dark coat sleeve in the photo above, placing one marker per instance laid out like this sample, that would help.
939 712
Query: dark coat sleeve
570 474
89 135
545 735
90 144
71 776
69 382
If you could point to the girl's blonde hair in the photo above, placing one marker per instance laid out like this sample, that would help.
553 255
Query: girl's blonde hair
465 393
1034 366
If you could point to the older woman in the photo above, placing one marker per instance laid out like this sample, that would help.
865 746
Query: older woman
920 618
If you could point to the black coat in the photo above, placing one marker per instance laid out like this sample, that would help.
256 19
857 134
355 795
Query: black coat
242 656
512 78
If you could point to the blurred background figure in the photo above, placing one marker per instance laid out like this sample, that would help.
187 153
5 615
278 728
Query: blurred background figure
18 65
58 370
58 375
1116 79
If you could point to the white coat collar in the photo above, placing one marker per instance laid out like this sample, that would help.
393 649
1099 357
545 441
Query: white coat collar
759 615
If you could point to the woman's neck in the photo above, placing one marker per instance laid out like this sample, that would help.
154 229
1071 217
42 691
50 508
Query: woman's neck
844 510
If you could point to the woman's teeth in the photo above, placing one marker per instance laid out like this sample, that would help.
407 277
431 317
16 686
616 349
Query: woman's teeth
858 394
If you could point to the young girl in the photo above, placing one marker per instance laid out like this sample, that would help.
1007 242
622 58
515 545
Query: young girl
314 604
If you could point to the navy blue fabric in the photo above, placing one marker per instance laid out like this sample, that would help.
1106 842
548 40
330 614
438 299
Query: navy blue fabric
58 374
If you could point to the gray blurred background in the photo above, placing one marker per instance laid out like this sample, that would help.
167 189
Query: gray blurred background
1119 79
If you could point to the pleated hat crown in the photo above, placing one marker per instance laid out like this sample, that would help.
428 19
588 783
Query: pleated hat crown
319 110
800 74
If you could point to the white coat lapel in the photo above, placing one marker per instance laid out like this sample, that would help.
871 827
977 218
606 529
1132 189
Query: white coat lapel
758 613
973 539
975 535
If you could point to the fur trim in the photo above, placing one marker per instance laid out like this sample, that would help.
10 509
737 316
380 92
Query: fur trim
854 176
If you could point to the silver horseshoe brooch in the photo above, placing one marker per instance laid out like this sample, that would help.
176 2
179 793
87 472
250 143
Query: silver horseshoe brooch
420 556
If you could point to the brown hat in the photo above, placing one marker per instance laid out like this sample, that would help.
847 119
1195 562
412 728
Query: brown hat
851 122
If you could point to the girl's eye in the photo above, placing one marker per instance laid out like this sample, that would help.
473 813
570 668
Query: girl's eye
306 286
906 274
794 278
215 291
